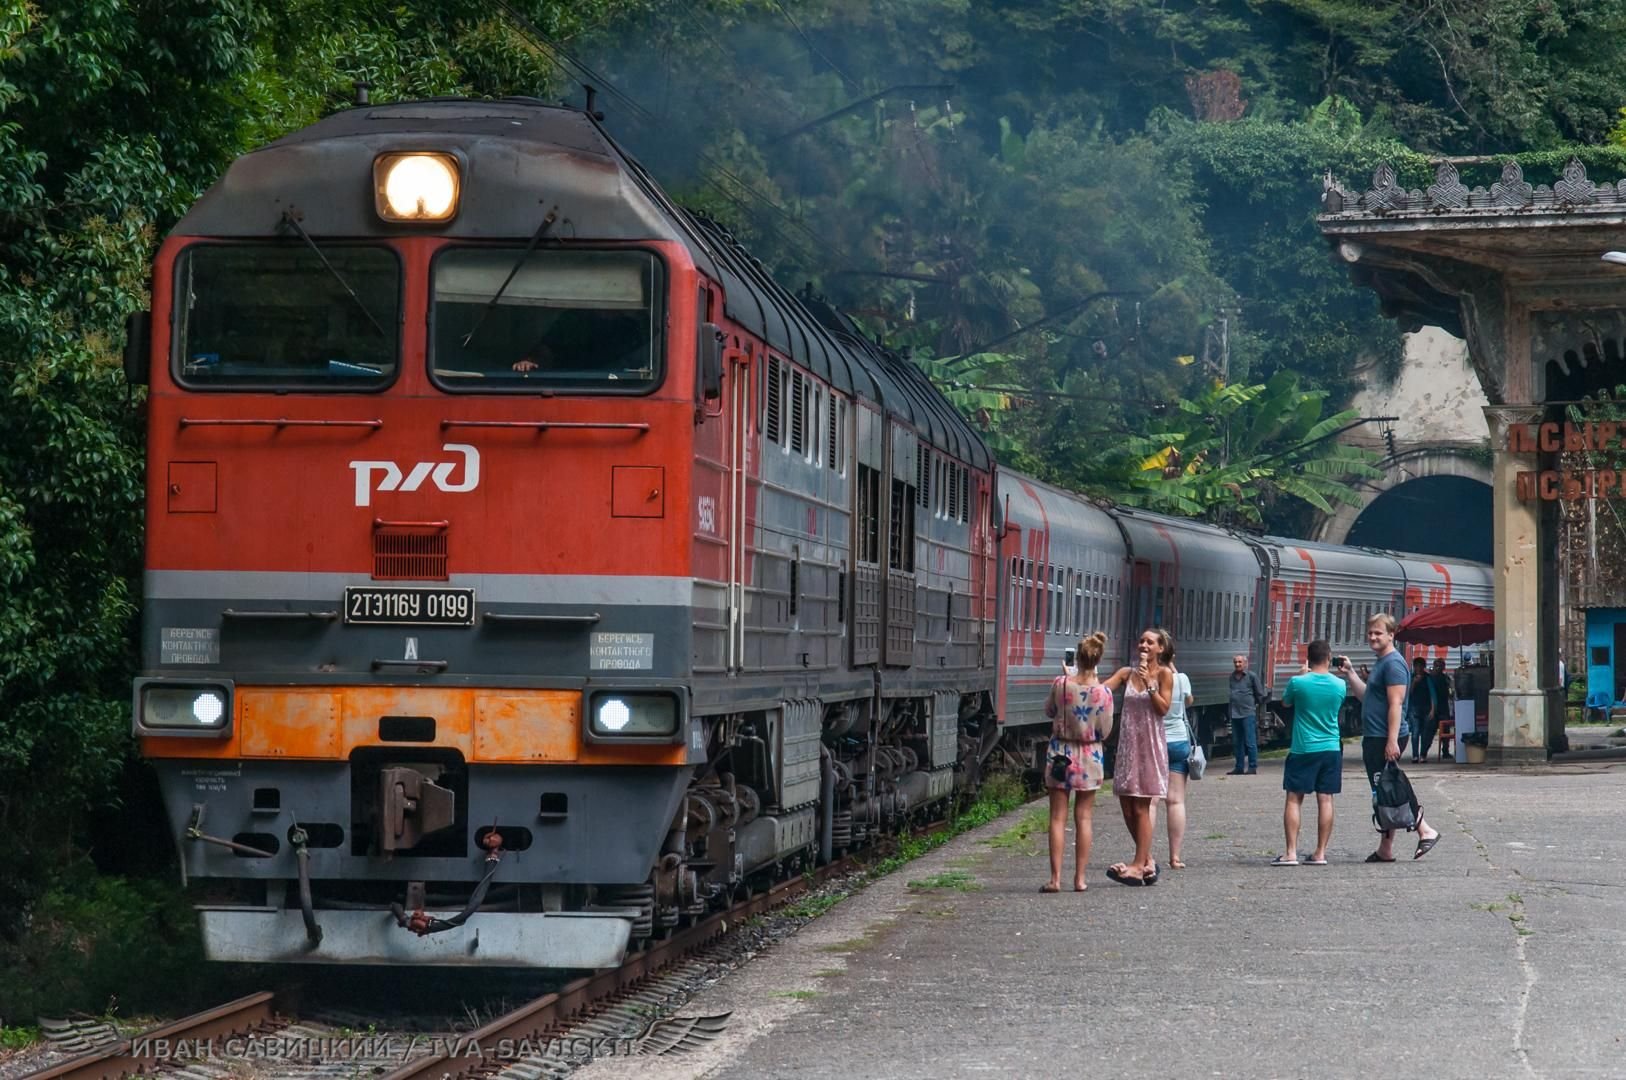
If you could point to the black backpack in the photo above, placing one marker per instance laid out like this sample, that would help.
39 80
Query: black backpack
1394 804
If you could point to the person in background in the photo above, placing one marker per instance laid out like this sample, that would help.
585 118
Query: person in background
1383 723
1444 705
1248 695
1315 760
1140 771
1181 736
1419 708
1080 712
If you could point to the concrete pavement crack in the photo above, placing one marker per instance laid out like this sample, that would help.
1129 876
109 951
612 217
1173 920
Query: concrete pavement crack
1516 920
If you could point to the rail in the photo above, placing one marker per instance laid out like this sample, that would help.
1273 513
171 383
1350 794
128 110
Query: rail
143 1053
534 1021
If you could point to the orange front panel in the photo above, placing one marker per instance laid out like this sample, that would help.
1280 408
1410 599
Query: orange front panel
289 723
541 725
452 711
518 726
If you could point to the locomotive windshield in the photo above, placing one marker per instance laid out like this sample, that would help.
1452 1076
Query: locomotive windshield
508 321
274 315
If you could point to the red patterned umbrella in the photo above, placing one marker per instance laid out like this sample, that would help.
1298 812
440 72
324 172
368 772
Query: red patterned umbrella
1448 624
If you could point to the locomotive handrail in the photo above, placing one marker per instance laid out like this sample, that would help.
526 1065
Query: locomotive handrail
280 422
517 617
548 425
425 666
234 613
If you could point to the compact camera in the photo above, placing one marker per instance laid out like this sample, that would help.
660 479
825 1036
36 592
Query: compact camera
1340 662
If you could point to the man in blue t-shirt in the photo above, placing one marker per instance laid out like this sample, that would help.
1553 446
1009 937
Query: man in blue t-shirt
1383 722
1315 760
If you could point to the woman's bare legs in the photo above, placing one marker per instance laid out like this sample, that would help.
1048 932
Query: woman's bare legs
1138 816
1058 837
1084 834
1177 817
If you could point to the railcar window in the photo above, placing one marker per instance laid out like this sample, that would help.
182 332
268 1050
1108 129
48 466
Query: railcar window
272 315
1056 622
585 320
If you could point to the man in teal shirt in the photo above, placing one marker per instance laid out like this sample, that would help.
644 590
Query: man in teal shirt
1315 760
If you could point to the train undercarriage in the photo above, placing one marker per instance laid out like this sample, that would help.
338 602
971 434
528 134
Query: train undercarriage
413 856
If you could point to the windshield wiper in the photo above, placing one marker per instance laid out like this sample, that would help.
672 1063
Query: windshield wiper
536 238
289 219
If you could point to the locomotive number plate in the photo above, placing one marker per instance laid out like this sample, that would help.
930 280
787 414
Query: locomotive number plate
374 605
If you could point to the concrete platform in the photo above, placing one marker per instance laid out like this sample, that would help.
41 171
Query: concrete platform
1500 954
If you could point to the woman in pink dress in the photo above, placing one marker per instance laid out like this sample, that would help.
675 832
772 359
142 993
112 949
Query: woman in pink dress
1141 768
1080 711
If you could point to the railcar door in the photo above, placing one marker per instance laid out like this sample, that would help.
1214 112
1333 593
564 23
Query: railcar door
737 364
1140 601
899 645
982 546
867 588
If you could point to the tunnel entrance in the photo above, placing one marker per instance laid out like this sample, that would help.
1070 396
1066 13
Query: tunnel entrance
1449 516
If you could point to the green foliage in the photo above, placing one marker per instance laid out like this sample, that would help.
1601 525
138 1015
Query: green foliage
109 945
1235 449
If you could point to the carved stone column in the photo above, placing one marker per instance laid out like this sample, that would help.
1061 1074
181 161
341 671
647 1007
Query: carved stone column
1518 706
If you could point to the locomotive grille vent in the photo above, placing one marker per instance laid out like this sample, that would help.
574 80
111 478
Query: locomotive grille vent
773 411
400 555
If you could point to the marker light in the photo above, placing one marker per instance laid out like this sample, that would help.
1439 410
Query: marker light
182 707
613 714
416 187
635 715
208 708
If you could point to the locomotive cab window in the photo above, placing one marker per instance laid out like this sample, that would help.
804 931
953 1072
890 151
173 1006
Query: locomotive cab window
507 321
274 315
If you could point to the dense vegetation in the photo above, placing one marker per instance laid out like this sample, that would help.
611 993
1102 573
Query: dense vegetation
1078 215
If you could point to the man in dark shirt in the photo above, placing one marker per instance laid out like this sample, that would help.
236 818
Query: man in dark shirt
1247 696
1383 722
1419 709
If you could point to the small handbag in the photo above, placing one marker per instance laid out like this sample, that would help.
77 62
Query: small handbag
1196 764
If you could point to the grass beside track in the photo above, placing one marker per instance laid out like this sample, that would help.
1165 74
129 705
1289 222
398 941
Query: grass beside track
1001 794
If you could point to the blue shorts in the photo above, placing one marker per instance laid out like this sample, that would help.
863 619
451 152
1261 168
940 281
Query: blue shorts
1318 773
1179 754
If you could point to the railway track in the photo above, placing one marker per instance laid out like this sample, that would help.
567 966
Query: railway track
641 984
539 1023
154 1048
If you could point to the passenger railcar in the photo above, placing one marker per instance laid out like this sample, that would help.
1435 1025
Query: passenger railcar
1219 592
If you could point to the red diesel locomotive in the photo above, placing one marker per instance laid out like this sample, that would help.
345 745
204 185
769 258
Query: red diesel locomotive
526 571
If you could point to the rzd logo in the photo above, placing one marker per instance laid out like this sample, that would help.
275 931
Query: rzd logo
392 479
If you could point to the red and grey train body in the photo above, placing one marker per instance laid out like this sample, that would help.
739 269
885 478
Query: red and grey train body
527 572
1070 565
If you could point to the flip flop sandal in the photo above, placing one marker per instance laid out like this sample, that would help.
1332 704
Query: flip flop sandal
1124 879
1315 862
1426 846
1282 860
1050 888
1374 857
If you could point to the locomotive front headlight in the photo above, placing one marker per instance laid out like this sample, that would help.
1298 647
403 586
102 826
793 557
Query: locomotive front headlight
202 709
417 187
632 715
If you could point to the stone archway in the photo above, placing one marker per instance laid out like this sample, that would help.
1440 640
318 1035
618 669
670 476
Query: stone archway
1456 484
